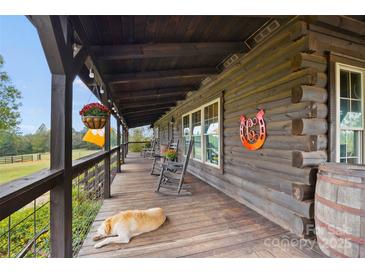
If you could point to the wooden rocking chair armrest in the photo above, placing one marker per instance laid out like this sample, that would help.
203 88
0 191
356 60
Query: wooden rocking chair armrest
172 165
158 156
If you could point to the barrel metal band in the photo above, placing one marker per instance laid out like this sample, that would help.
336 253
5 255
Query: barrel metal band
337 254
335 181
343 208
339 233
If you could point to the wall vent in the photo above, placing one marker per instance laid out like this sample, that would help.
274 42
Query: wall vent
262 33
230 60
206 81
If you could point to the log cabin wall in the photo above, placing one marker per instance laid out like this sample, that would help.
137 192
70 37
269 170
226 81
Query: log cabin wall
287 76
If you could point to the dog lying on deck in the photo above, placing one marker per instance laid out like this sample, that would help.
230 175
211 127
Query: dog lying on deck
122 227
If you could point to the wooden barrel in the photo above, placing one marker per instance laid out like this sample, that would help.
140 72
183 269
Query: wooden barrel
340 210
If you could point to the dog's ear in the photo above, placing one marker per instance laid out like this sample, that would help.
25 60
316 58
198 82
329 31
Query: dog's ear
108 226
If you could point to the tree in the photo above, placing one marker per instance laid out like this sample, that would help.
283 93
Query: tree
9 104
137 135
40 139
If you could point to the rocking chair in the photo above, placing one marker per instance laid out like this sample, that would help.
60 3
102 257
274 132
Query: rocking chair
149 152
158 157
172 176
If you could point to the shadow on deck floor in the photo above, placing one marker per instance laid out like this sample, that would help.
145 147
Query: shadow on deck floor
206 224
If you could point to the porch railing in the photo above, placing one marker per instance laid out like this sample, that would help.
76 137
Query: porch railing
25 206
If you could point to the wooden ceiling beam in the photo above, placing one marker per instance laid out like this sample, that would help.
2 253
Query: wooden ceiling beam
140 51
151 99
151 109
150 103
124 78
159 92
138 118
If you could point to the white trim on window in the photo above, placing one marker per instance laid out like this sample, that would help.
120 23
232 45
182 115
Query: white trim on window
339 67
203 144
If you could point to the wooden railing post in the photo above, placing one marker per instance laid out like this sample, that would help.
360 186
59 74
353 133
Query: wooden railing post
118 144
107 160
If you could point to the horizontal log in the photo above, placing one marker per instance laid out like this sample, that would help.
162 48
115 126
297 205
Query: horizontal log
309 94
308 159
309 126
304 209
308 76
158 50
303 192
272 128
245 188
281 113
305 60
304 143
261 153
306 176
123 78
274 212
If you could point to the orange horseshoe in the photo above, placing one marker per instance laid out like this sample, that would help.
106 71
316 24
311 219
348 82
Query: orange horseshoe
249 138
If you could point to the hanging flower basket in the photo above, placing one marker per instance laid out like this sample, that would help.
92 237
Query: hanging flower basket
94 115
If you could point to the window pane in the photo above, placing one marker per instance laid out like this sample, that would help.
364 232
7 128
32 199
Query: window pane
343 143
211 119
212 149
186 126
197 148
186 141
355 85
196 120
344 84
196 125
350 146
353 160
211 132
345 119
352 143
356 115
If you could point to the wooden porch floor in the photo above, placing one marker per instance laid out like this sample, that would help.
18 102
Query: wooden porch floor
206 224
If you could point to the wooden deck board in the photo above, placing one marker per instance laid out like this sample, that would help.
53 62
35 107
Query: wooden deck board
206 224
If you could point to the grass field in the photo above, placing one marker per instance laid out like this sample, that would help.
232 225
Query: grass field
9 172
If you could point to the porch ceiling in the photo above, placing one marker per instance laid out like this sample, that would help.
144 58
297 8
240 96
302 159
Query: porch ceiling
149 63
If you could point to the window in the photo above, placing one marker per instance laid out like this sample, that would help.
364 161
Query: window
203 125
211 134
350 114
197 135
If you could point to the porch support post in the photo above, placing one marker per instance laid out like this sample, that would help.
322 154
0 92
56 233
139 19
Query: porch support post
61 158
127 138
56 37
118 144
123 146
107 160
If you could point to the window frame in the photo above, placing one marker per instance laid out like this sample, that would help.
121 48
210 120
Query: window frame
347 67
202 135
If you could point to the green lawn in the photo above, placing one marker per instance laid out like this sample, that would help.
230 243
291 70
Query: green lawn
17 170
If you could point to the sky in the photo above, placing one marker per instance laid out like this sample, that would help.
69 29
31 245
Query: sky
27 67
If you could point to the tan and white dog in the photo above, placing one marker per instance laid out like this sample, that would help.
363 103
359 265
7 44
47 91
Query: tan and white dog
122 227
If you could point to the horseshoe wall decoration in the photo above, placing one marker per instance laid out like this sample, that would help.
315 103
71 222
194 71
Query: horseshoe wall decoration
249 137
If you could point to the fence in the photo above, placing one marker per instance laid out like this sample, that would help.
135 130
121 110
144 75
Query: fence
26 232
20 158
